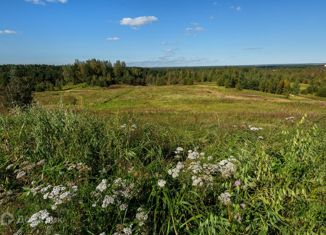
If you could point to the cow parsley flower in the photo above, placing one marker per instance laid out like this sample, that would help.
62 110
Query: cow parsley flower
39 217
102 186
141 216
108 200
161 183
193 155
225 198
123 206
227 168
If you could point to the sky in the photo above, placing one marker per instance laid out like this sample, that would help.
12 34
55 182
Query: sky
153 33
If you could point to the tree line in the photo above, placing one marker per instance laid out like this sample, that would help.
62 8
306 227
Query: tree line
17 82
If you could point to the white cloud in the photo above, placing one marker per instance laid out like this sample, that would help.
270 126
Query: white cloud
7 31
236 8
138 21
113 39
43 2
194 29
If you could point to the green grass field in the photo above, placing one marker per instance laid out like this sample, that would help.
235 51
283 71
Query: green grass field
174 100
195 159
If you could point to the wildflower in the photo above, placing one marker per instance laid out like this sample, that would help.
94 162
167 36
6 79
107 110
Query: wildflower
35 190
237 183
39 217
197 181
123 126
161 183
227 168
174 173
252 128
141 216
40 163
9 167
260 137
74 188
195 167
29 167
45 189
20 174
225 198
193 155
127 231
180 166
107 201
102 186
123 207
178 151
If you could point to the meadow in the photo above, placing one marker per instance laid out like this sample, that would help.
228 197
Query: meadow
197 159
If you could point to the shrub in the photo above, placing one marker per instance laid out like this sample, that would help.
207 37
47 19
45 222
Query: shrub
18 92
321 92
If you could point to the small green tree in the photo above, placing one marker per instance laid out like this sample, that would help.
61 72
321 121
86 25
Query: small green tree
18 92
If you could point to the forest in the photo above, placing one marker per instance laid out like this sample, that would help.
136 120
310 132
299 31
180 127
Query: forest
304 79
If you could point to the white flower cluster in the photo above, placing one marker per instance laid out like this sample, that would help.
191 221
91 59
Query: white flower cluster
102 186
225 198
81 167
141 216
122 230
178 152
174 172
161 183
252 128
227 167
41 217
193 155
121 191
201 168
25 168
59 194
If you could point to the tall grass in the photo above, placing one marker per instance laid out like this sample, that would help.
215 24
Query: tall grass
110 169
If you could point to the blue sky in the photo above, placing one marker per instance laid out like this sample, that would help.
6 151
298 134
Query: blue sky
163 32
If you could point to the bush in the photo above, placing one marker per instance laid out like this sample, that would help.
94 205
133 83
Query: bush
18 93
321 92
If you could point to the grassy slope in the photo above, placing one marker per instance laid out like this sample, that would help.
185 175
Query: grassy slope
281 168
185 105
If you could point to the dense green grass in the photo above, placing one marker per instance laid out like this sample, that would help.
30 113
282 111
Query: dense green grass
273 182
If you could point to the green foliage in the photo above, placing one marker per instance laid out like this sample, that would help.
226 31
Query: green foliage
18 92
276 189
272 79
321 91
